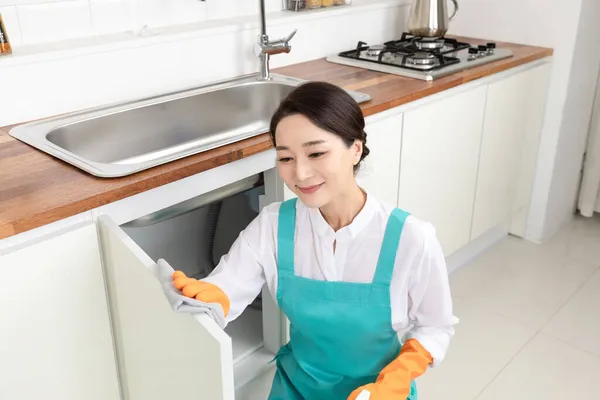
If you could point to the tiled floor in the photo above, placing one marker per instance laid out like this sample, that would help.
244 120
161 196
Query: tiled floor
529 322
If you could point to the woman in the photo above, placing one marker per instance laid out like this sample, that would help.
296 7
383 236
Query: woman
363 284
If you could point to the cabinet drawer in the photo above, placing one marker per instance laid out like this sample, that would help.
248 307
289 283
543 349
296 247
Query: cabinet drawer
163 354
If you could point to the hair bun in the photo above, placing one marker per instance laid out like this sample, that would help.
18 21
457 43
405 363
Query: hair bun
366 150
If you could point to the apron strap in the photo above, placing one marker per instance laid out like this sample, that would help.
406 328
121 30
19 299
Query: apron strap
286 230
389 247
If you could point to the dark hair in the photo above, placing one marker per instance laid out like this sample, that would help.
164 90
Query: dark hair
330 108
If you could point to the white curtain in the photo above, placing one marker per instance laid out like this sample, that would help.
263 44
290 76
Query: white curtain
589 195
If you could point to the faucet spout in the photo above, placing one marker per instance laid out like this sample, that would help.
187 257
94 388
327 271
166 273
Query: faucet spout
263 22
265 48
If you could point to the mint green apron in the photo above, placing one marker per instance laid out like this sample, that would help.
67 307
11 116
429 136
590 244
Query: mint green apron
341 334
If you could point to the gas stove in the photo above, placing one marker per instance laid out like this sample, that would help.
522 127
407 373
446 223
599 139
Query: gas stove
420 57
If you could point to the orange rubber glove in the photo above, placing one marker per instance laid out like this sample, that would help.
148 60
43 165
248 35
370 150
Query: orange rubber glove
394 380
202 291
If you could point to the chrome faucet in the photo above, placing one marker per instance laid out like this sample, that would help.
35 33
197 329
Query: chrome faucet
265 48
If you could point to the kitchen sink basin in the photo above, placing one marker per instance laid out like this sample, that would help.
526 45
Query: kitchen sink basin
125 138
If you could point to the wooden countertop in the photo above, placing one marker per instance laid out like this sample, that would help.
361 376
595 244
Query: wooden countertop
37 189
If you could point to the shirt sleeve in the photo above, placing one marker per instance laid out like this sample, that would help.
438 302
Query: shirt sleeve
240 273
430 301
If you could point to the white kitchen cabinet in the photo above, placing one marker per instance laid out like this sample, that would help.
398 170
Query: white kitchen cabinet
438 168
536 93
513 116
88 318
55 335
380 170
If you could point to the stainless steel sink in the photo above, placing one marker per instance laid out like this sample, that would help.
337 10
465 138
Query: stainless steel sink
125 138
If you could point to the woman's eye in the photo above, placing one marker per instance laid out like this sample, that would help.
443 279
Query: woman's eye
316 155
285 159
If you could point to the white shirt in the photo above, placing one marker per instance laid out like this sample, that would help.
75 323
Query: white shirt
420 295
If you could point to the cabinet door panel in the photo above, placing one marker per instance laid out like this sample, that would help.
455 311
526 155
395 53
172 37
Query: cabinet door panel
438 166
512 123
55 338
380 172
162 354
536 92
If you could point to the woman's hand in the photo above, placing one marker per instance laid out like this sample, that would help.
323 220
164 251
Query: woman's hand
201 291
394 381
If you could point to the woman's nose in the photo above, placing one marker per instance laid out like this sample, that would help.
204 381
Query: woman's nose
303 170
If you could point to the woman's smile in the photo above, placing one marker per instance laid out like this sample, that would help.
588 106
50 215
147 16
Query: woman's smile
310 189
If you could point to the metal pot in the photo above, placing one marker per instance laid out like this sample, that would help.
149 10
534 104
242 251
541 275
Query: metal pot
429 18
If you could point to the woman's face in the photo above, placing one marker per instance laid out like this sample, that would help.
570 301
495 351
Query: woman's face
315 164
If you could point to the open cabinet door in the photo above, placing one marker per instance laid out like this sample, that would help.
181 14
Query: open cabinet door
161 354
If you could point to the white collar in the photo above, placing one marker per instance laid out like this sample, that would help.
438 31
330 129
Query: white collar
350 231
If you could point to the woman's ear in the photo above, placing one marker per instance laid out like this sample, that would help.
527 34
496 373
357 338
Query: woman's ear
357 150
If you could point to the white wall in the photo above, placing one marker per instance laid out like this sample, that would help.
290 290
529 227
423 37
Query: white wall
589 195
46 79
570 27
576 118
43 21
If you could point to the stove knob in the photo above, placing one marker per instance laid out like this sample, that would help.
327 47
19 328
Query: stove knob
473 53
483 50
491 45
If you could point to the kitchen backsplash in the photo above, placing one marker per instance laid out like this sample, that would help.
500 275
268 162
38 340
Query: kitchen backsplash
42 21
45 80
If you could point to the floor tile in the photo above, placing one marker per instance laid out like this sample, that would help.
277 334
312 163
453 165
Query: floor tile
584 243
511 253
465 371
530 294
547 369
578 323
